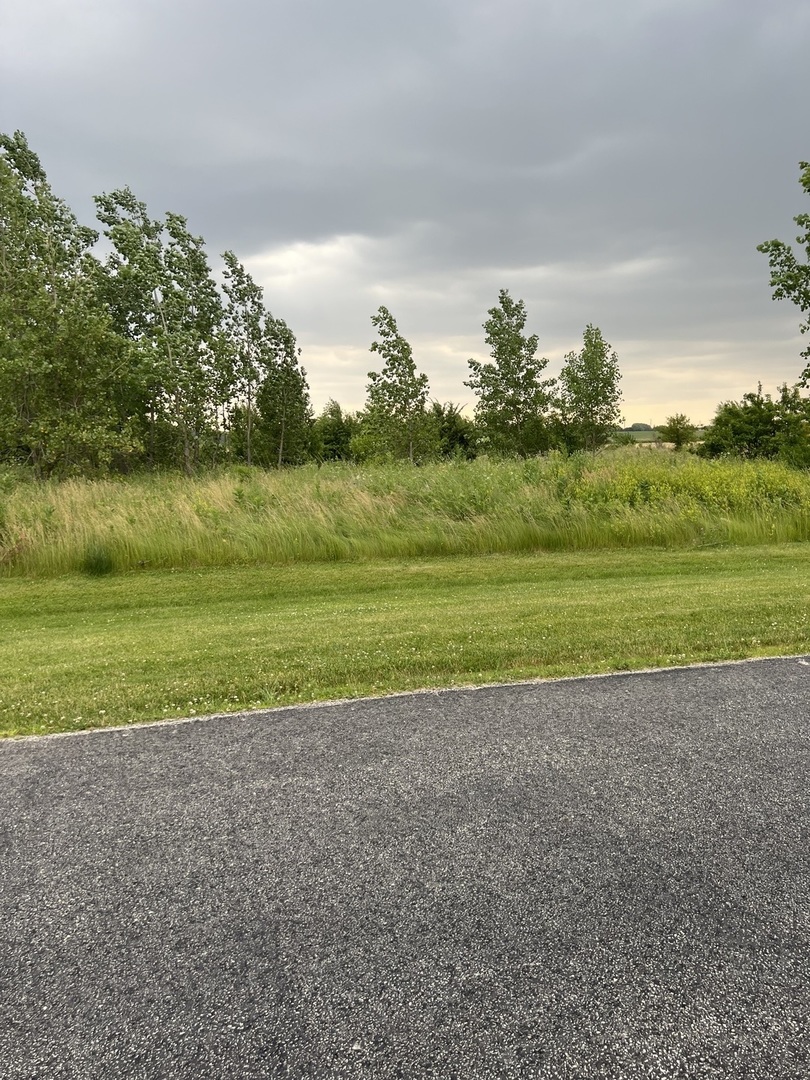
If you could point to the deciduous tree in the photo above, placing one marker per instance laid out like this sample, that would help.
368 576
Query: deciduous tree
678 430
246 339
589 394
162 293
513 399
746 428
333 432
284 422
62 366
397 395
761 427
457 434
790 279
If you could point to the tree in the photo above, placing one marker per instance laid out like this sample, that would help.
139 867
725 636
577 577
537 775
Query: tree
129 282
284 422
759 427
397 395
246 336
589 394
190 321
159 287
62 366
456 432
512 398
332 433
747 428
793 425
790 279
678 430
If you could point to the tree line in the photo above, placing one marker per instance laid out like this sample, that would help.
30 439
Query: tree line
136 359
139 359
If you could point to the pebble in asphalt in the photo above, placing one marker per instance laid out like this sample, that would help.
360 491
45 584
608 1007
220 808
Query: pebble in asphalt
601 877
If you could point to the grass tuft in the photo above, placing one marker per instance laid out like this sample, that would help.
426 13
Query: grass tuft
97 561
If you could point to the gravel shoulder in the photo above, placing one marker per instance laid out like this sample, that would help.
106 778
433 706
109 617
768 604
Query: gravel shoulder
603 877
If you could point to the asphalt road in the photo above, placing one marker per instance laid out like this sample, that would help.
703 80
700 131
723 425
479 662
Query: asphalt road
602 877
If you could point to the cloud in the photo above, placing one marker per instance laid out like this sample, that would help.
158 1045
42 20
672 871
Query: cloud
609 163
670 363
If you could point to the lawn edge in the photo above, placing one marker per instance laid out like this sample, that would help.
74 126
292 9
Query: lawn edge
247 714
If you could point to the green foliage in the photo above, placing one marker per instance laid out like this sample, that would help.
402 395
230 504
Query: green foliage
245 341
793 420
158 284
513 400
619 499
332 433
690 487
134 361
589 394
759 427
678 430
745 428
396 422
138 361
284 423
456 432
62 366
790 279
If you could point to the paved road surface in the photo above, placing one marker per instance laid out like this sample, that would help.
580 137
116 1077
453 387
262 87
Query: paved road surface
589 878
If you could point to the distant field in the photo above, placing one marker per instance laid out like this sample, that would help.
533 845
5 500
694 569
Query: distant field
79 652
653 436
246 517
645 436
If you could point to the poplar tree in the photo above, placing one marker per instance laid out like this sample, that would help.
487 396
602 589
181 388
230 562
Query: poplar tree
513 399
589 394
163 296
284 423
246 338
397 395
61 363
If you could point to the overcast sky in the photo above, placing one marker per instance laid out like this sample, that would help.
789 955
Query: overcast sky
613 162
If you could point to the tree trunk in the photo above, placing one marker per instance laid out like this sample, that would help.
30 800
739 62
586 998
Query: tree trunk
281 443
249 425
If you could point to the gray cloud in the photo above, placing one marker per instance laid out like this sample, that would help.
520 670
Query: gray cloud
614 163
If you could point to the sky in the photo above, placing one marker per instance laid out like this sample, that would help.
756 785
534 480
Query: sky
613 163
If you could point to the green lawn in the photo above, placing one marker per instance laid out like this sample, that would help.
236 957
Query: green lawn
78 652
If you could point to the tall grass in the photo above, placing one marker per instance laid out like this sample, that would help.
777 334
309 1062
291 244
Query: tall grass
245 516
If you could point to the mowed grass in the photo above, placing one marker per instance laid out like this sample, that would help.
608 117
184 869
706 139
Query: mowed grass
79 652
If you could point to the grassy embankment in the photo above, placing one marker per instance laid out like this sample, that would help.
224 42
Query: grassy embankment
247 517
251 625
